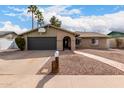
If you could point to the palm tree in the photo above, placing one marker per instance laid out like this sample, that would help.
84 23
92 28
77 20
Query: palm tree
39 17
32 9
54 21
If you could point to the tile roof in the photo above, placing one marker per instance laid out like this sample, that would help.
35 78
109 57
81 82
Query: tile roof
91 34
3 33
116 34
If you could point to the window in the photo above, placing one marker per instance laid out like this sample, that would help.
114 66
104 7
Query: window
78 41
95 41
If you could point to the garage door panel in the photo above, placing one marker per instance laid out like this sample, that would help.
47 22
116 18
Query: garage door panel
41 43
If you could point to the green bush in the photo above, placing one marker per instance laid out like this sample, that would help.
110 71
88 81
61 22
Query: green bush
20 41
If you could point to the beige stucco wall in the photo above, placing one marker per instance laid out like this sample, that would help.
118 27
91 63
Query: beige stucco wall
48 33
60 36
52 32
86 43
122 43
113 42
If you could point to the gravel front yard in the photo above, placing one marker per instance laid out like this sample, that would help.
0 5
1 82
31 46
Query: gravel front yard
114 54
74 64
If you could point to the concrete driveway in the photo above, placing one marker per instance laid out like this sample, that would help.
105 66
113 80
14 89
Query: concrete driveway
23 62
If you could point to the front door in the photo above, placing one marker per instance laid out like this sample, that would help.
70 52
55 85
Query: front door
66 43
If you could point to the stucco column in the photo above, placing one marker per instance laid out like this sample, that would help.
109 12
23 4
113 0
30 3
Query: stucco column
26 43
59 45
72 44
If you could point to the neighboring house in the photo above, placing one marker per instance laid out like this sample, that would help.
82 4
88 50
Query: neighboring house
116 40
92 40
49 38
7 40
115 34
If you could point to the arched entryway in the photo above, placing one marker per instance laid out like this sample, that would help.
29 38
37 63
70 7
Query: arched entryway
66 43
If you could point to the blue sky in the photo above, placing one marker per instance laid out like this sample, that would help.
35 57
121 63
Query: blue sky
75 17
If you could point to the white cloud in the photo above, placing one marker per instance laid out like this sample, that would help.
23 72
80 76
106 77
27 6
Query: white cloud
74 11
83 23
16 9
102 24
61 10
11 14
56 9
118 7
20 13
8 26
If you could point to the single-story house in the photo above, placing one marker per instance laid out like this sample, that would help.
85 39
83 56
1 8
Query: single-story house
92 40
7 40
116 40
49 38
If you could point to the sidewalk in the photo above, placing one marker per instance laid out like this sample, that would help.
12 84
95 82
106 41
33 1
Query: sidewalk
62 81
85 81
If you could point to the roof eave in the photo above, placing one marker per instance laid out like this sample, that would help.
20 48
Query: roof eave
74 33
95 37
50 26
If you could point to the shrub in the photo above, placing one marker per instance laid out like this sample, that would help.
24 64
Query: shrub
20 41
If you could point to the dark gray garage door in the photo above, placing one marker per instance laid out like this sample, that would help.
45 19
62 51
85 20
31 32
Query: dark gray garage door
41 43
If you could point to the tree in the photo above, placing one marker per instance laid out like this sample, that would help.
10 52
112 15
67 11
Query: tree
20 41
32 9
54 21
40 19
